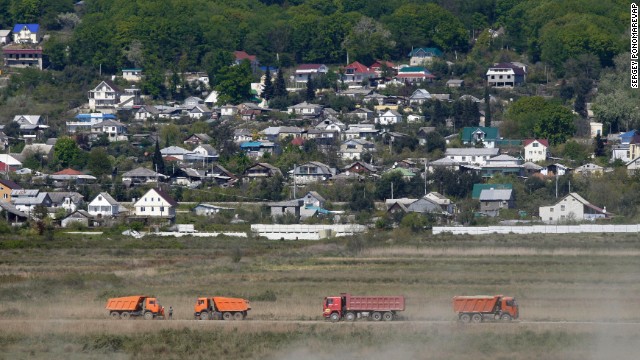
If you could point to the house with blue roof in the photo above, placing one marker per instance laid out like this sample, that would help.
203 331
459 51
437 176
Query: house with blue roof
257 149
421 56
26 33
84 122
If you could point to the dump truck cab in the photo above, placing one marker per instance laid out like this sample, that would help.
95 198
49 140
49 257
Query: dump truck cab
509 305
332 304
152 305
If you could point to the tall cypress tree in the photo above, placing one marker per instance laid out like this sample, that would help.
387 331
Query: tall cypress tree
280 88
267 92
487 107
158 161
311 90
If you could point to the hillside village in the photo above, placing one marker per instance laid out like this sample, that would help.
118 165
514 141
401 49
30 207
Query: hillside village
382 144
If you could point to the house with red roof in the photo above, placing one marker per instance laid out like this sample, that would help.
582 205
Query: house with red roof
304 72
380 65
535 149
356 73
240 56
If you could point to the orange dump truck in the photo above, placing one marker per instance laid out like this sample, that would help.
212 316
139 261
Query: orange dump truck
352 307
130 306
217 308
481 307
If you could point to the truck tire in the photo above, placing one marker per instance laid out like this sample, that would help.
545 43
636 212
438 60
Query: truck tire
114 315
334 317
505 317
350 316
476 318
465 318
376 316
204 315
388 316
148 315
227 316
237 316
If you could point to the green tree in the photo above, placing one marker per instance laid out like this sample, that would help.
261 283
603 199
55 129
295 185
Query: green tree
66 153
616 105
99 162
158 161
555 124
280 87
311 90
267 92
234 84
368 40
487 107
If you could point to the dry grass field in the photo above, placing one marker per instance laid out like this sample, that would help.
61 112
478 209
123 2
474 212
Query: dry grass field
578 296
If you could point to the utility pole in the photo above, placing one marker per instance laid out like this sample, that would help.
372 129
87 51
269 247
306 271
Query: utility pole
556 184
294 181
392 190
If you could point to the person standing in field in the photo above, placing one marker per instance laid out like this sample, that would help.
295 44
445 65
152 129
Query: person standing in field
170 313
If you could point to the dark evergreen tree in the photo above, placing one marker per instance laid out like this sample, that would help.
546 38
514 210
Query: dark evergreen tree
487 107
158 161
311 90
599 146
267 92
280 87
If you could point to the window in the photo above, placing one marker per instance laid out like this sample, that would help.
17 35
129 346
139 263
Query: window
562 207
535 144
161 208
550 209
142 209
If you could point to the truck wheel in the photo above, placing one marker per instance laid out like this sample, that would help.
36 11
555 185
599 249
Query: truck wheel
350 316
465 318
125 316
237 316
376 316
476 318
204 315
227 316
388 316
505 317
148 315
334 317
114 315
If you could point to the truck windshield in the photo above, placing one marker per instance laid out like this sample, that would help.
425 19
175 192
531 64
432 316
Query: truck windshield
511 303
329 302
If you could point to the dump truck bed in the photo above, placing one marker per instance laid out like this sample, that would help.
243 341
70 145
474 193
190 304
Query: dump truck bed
375 303
128 303
477 304
230 304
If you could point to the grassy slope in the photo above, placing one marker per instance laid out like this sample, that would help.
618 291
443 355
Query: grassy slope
52 298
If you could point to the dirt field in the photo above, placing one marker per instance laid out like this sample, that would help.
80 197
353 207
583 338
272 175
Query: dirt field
578 297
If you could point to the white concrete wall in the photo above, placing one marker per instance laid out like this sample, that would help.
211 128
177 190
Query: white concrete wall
305 232
536 229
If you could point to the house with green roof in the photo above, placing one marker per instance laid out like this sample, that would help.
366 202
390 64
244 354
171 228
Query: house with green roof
420 56
480 134
477 188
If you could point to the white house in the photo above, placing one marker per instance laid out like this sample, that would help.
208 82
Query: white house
5 37
506 75
353 149
26 33
304 72
104 205
104 98
389 117
572 207
133 75
156 203
115 130
305 109
145 112
474 156
175 151
535 150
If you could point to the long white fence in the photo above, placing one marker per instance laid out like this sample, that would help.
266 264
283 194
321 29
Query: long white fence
305 232
536 229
